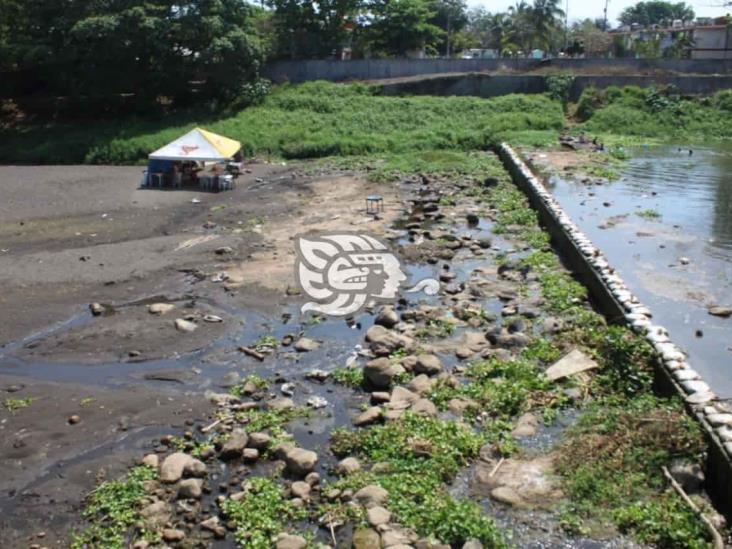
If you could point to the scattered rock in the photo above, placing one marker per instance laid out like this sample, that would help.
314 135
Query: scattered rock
250 454
151 460
156 514
402 398
175 465
505 494
190 488
572 363
383 342
458 405
96 309
316 402
425 407
526 426
172 534
716 310
300 462
348 466
73 420
288 541
300 489
259 441
224 250
381 371
472 544
281 403
366 538
234 446
420 384
317 375
397 536
377 515
160 308
305 344
387 318
367 417
183 325
212 525
428 364
371 495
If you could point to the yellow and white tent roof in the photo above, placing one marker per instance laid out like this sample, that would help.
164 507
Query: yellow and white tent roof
199 145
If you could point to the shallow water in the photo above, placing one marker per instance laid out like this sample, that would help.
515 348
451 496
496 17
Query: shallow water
693 196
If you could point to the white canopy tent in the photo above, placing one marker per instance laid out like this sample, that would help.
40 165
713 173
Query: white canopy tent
200 146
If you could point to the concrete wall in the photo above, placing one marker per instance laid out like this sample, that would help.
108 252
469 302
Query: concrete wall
484 85
374 69
712 43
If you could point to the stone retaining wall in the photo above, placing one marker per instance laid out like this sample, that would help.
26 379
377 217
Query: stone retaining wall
490 85
673 373
374 69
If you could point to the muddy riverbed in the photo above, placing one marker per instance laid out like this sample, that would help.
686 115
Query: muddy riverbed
96 389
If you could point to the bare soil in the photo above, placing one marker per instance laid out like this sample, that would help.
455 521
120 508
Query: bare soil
75 235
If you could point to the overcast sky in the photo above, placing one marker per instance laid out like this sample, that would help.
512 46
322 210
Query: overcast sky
580 9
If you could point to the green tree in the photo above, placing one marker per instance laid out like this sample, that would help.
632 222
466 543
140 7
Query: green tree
305 28
451 16
656 12
399 26
150 48
546 17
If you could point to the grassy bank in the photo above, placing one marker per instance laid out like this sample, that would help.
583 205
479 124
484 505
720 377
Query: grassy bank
660 114
311 120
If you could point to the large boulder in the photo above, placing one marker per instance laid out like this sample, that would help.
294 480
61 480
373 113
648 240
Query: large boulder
366 538
428 364
348 466
402 398
383 342
381 372
288 541
178 464
234 446
299 461
368 416
387 317
371 495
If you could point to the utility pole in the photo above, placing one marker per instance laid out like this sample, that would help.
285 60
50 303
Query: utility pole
566 27
604 19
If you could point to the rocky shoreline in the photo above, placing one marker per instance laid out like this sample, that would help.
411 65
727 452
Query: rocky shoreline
455 420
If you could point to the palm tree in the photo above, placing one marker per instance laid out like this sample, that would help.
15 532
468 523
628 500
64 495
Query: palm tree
521 26
546 17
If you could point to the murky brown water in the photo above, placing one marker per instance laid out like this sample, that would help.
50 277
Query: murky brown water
692 195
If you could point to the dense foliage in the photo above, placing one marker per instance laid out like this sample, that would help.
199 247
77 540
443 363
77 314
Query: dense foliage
661 113
656 12
113 49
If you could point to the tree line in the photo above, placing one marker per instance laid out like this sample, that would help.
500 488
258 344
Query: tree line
179 51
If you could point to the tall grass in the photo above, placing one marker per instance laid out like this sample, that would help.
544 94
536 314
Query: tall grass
656 113
311 120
